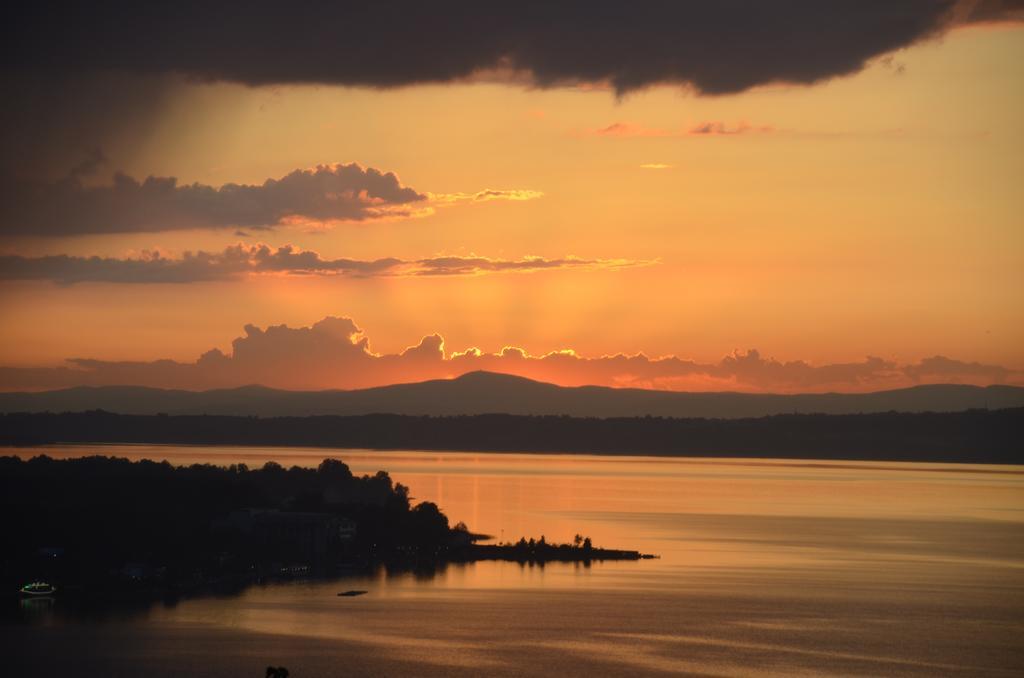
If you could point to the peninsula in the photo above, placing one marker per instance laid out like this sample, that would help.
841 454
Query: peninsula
103 525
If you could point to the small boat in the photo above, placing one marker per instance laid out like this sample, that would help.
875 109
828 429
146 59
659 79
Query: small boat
351 594
38 588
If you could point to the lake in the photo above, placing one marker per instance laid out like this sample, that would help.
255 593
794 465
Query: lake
767 568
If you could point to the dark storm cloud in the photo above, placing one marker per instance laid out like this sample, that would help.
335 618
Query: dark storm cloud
993 10
322 194
50 120
76 76
716 47
238 260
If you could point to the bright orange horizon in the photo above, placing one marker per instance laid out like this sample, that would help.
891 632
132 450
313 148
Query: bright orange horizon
334 353
860 232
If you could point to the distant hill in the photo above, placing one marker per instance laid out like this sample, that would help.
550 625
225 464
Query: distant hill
490 393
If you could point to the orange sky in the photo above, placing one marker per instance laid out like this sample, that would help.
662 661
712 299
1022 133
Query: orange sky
877 214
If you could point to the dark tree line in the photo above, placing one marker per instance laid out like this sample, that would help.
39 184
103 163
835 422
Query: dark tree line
99 522
982 436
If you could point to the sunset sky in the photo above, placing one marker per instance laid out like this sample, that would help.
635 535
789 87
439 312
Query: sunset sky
830 200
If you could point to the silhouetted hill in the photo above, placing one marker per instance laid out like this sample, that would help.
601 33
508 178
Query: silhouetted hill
489 393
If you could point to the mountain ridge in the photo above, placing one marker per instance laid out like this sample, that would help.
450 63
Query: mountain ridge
483 392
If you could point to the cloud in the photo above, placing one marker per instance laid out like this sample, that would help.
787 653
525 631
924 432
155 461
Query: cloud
325 193
629 130
987 11
477 265
713 47
76 76
51 118
318 197
940 367
486 195
655 166
237 261
718 128
335 353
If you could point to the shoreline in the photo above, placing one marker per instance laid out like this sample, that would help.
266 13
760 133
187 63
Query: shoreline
318 451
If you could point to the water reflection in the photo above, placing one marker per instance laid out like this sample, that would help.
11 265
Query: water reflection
36 609
768 567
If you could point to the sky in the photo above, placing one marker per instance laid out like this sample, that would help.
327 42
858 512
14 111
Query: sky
788 196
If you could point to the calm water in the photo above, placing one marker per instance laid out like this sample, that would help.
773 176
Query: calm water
767 568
